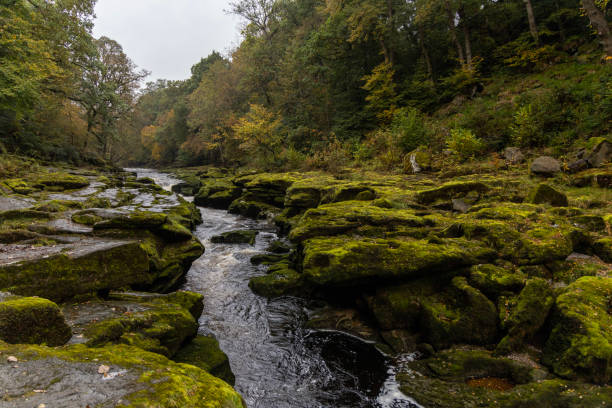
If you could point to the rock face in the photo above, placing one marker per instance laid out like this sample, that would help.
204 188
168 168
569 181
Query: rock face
545 166
32 321
63 271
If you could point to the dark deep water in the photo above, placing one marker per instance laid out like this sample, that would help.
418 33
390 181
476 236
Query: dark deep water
277 362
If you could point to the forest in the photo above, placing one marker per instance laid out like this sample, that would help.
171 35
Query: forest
314 84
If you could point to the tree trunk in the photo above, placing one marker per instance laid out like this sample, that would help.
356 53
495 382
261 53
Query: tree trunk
600 24
560 23
425 53
453 32
466 34
391 25
533 27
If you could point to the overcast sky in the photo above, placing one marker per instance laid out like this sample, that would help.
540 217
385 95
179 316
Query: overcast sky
167 37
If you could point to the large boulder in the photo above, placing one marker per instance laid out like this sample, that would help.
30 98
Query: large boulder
460 314
450 190
32 321
545 166
527 316
580 344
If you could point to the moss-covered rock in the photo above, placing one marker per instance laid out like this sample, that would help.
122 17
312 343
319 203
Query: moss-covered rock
64 180
132 220
70 376
32 321
280 282
252 209
528 316
204 352
494 280
449 191
603 248
340 218
593 223
545 194
580 344
63 271
159 328
353 261
473 378
460 314
217 193
236 237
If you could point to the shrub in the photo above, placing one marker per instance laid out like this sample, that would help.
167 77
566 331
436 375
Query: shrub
464 144
409 129
526 131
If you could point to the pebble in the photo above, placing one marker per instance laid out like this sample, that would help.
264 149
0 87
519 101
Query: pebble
12 359
103 369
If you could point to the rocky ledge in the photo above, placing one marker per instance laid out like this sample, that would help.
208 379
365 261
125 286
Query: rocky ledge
498 279
89 259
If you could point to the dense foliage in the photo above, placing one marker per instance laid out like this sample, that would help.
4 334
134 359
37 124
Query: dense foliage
316 83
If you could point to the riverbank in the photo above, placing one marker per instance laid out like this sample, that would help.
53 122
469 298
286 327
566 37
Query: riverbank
498 277
89 261
496 280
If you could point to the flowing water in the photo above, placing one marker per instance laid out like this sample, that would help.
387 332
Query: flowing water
277 362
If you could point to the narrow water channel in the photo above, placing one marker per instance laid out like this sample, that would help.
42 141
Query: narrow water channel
277 362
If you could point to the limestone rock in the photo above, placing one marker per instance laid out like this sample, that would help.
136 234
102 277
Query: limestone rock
545 166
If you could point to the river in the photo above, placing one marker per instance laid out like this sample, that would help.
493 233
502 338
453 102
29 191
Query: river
278 363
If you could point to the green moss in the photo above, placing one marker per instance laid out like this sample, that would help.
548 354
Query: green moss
133 220
56 206
494 280
603 248
162 328
460 314
33 321
205 353
281 282
64 275
528 316
580 344
340 218
589 222
252 209
544 194
236 237
63 180
217 193
449 191
351 261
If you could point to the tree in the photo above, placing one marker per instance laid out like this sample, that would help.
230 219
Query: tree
600 24
107 91
260 14
259 132
533 27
